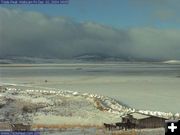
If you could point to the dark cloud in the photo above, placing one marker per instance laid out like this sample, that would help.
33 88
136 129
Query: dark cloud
33 34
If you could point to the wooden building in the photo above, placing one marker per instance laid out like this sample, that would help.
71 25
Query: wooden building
144 121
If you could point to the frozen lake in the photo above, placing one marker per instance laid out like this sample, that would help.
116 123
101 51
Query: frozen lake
152 86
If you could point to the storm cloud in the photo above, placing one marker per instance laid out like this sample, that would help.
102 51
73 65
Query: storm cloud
33 34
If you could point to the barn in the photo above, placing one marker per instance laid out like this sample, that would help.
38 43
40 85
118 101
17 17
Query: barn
143 120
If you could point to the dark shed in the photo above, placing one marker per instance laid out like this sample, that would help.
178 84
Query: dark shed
144 121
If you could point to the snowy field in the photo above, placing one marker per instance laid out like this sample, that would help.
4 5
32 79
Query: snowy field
55 112
151 86
58 107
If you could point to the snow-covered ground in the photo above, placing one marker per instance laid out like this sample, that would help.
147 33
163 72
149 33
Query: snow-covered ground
87 94
172 62
153 86
63 107
57 107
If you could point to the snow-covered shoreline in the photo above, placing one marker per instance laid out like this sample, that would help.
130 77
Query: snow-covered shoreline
53 107
75 112
103 104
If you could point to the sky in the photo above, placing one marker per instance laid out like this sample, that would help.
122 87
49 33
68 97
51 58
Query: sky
145 29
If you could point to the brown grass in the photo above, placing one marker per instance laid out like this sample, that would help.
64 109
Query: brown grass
115 132
132 132
4 125
100 129
63 126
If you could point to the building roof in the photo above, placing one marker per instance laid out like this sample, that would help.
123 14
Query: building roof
139 115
